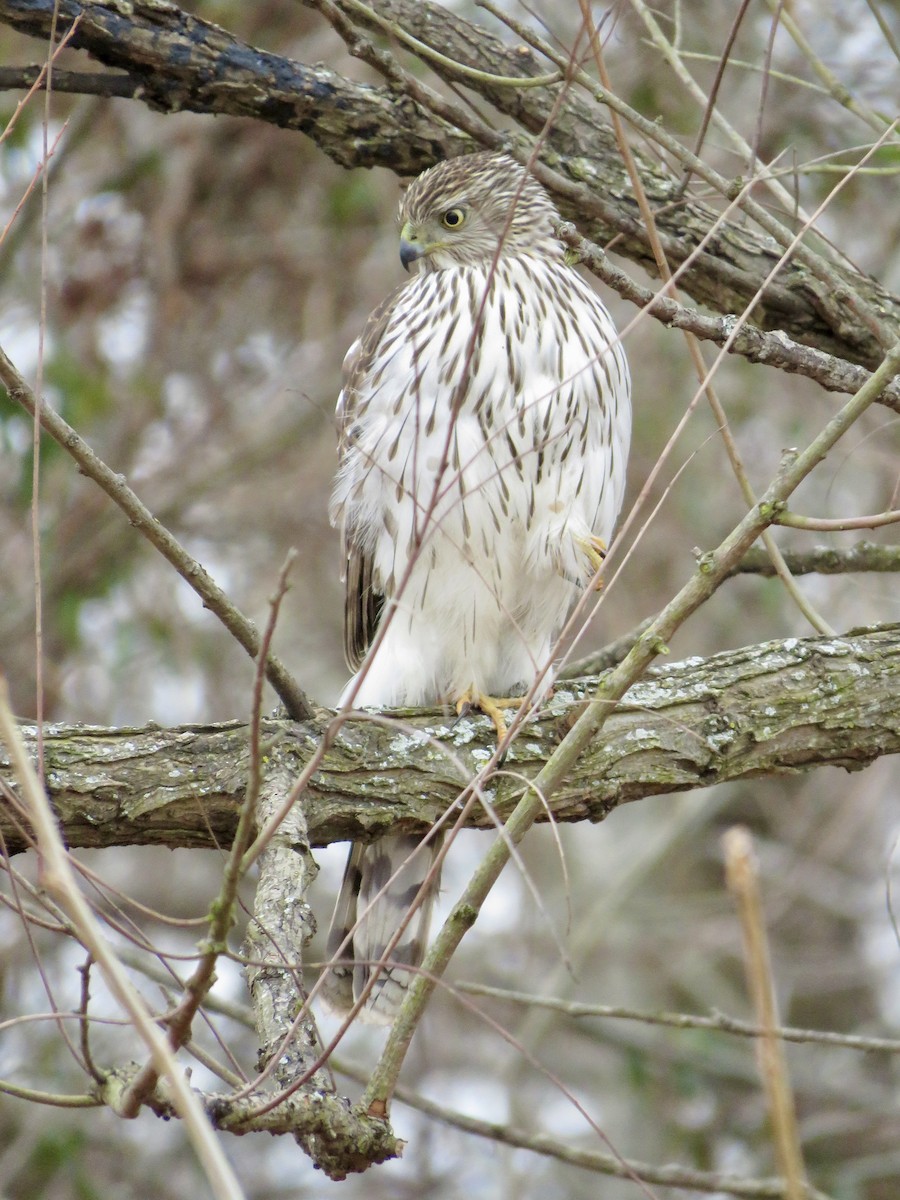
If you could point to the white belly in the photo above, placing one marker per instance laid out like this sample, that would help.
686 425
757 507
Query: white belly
474 520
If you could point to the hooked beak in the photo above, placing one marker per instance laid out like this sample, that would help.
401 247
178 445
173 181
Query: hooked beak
410 253
411 249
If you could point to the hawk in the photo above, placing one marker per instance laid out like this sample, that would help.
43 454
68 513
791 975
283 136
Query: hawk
484 425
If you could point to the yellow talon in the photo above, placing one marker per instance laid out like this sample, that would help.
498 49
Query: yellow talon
595 552
490 705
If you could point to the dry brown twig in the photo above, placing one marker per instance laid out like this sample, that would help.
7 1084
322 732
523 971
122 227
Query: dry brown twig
743 880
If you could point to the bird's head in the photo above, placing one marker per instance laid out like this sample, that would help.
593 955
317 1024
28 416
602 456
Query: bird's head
457 213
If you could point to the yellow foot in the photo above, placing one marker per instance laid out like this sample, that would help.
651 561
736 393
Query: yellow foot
595 551
491 706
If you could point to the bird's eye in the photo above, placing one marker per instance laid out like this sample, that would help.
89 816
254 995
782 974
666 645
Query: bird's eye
453 218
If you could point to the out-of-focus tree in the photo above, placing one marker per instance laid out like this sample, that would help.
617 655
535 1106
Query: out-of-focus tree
200 219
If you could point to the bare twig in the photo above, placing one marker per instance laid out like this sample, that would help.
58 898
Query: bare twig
742 875
837 90
719 1022
59 880
836 524
886 31
213 597
85 972
603 1164
773 349
52 1099
709 107
42 173
222 910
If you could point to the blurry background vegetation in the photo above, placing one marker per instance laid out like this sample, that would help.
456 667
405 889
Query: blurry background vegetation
204 279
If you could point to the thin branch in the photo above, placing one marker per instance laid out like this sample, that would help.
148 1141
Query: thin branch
603 1164
743 880
709 108
718 1022
85 971
59 880
213 597
41 173
39 80
80 83
764 94
884 26
773 349
835 89
52 1099
836 524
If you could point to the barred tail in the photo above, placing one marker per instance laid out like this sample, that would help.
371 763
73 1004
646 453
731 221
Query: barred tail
382 883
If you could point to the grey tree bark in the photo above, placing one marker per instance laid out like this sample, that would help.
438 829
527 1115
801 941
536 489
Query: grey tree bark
770 709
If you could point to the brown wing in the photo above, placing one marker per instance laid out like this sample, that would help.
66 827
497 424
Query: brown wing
363 597
363 603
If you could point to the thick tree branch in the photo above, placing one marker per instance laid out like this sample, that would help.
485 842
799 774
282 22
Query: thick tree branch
340 1139
180 62
772 709
774 348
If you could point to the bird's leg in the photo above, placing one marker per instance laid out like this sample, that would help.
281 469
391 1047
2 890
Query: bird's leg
595 551
491 706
